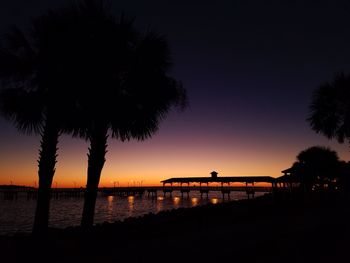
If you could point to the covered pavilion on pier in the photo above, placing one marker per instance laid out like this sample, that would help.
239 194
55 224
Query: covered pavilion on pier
214 178
223 180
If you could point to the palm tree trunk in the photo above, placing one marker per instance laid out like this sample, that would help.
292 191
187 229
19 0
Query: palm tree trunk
96 160
46 164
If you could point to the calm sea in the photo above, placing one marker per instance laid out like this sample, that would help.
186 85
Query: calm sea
18 215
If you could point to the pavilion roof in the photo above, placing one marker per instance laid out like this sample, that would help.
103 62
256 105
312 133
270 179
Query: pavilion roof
226 179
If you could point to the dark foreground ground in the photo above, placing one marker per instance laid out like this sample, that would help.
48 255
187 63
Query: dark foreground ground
262 230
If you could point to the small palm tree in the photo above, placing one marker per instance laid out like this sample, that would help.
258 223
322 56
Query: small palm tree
330 108
318 165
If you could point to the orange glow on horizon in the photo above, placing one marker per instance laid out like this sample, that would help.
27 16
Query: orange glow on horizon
149 162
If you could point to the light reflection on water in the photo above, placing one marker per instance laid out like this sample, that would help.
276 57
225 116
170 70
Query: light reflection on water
110 207
214 200
18 215
176 201
131 205
194 201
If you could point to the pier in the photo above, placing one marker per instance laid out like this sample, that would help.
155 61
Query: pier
225 184
149 191
184 185
32 193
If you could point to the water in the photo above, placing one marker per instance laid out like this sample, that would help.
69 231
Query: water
18 215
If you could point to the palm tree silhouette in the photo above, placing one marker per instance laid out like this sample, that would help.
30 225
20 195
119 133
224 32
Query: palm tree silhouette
38 94
126 91
82 71
32 110
330 108
317 165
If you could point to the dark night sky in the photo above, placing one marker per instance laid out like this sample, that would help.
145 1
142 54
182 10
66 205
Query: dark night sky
249 67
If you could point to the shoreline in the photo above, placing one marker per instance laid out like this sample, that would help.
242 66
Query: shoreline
65 212
257 230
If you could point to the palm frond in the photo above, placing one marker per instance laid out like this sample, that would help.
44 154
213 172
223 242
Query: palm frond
330 108
25 109
16 58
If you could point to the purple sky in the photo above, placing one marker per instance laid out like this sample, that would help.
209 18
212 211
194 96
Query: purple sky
249 67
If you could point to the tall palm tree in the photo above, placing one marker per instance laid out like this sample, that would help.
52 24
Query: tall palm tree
35 95
125 92
29 111
330 108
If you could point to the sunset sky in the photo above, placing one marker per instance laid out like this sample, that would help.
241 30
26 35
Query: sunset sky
249 68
